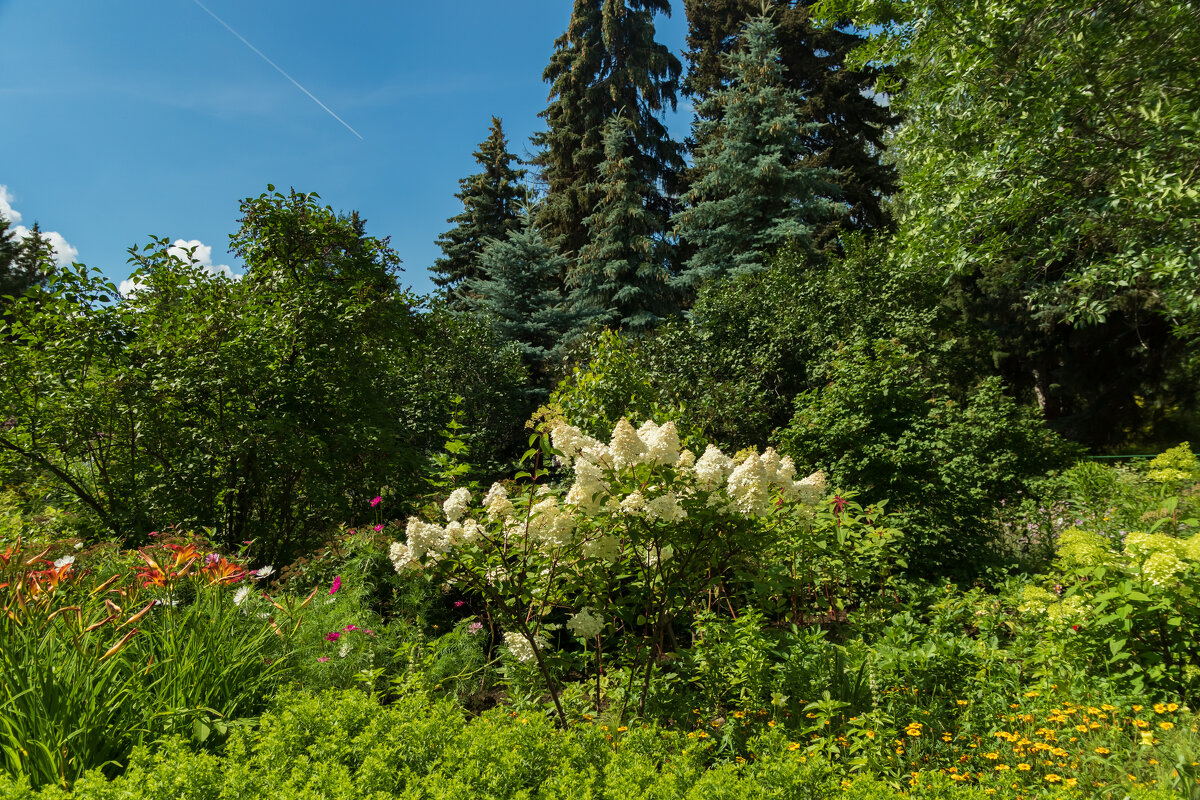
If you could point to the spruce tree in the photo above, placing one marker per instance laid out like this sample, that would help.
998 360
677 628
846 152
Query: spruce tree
606 63
23 262
754 189
519 290
491 210
851 123
620 276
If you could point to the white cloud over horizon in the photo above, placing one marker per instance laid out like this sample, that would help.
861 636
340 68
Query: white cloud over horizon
64 252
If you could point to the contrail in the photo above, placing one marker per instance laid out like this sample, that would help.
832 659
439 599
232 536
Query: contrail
277 68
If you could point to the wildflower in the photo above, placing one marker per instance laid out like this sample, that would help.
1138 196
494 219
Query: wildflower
265 572
1053 778
332 636
337 584
1166 726
378 528
474 628
457 504
344 650
241 594
1001 767
323 659
1023 767
1102 751
378 499
65 561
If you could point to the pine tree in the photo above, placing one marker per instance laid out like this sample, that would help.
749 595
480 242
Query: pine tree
491 210
753 190
23 262
851 123
606 63
620 276
519 291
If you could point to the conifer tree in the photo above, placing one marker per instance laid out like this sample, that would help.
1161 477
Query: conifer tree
23 262
606 63
754 190
851 123
491 210
620 276
519 290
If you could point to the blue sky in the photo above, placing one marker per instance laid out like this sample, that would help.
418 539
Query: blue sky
122 119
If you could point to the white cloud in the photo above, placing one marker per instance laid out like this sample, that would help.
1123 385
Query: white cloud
6 209
130 287
64 253
202 255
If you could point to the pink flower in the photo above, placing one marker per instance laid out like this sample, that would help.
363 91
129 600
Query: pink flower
323 659
378 499
337 584
475 627
459 604
332 636
350 628
378 528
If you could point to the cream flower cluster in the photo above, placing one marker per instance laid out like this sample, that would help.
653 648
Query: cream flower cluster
748 485
585 624
520 647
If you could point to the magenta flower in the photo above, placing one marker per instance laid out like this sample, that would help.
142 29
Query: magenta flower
378 499
459 603
332 636
351 627
323 659
378 528
337 584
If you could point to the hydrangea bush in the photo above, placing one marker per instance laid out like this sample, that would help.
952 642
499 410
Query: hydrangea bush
642 531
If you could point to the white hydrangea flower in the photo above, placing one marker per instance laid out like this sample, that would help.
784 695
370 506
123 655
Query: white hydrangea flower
472 532
687 460
662 442
633 504
454 533
401 557
457 504
713 468
549 524
424 538
589 489
747 486
665 507
1189 548
606 548
572 443
585 624
520 647
626 448
808 491
497 504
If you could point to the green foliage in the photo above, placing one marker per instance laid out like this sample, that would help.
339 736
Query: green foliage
491 210
939 456
1044 168
751 192
266 408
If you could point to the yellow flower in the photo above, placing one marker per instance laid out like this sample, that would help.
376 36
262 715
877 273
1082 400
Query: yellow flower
622 729
701 735
1172 707
1052 778
793 746
1102 751
1031 694
991 756
1023 767
1137 708
961 702
1001 767
1166 726
1071 781
1160 708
